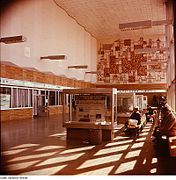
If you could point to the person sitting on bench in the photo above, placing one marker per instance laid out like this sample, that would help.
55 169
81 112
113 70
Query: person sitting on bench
135 116
149 113
167 125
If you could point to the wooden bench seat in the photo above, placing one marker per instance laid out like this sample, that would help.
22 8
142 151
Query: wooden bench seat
133 130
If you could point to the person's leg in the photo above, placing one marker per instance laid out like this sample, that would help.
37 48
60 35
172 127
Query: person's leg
157 136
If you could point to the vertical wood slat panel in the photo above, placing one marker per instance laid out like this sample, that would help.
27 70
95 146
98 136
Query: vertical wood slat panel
19 73
16 114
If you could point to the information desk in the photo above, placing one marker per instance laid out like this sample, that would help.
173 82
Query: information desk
94 133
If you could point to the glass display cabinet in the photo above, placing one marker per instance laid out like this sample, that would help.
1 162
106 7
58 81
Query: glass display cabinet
92 114
141 101
125 103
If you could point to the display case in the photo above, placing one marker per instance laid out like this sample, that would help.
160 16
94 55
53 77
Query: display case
141 102
92 114
126 102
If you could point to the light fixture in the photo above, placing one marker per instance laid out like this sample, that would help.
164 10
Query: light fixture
142 24
78 67
91 72
135 25
54 57
13 39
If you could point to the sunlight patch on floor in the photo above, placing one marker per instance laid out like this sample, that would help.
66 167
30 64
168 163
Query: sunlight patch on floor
60 159
58 134
11 152
120 138
45 171
99 171
148 126
137 145
124 167
141 139
145 130
33 156
143 134
111 150
133 154
100 161
73 150
49 148
118 142
18 166
25 146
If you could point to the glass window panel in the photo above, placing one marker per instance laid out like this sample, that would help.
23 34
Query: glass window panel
52 98
60 99
56 100
14 98
30 97
5 97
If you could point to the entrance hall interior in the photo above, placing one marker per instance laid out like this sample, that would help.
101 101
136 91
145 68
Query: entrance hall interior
72 72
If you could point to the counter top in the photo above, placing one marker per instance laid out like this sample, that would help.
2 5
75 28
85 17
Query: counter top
88 125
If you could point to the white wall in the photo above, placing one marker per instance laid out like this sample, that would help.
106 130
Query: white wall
49 31
171 71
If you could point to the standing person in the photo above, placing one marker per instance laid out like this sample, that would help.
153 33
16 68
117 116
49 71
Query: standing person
167 126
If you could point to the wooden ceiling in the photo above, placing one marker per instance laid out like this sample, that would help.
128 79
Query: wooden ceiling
101 18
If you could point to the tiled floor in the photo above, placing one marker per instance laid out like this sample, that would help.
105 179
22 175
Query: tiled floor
39 147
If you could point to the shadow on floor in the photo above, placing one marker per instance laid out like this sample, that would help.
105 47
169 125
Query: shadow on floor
39 147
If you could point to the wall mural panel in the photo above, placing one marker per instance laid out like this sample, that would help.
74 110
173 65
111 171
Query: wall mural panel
127 61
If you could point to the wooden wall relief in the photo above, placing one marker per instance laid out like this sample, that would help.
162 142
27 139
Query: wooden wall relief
119 62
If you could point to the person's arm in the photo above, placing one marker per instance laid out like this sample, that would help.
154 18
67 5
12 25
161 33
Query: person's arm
139 118
169 124
132 116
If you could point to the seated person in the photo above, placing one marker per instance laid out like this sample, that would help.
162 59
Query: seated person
167 127
135 115
149 113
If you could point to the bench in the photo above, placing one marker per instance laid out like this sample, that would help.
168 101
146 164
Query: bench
172 146
132 130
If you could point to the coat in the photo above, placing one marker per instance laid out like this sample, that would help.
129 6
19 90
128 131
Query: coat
137 116
168 125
